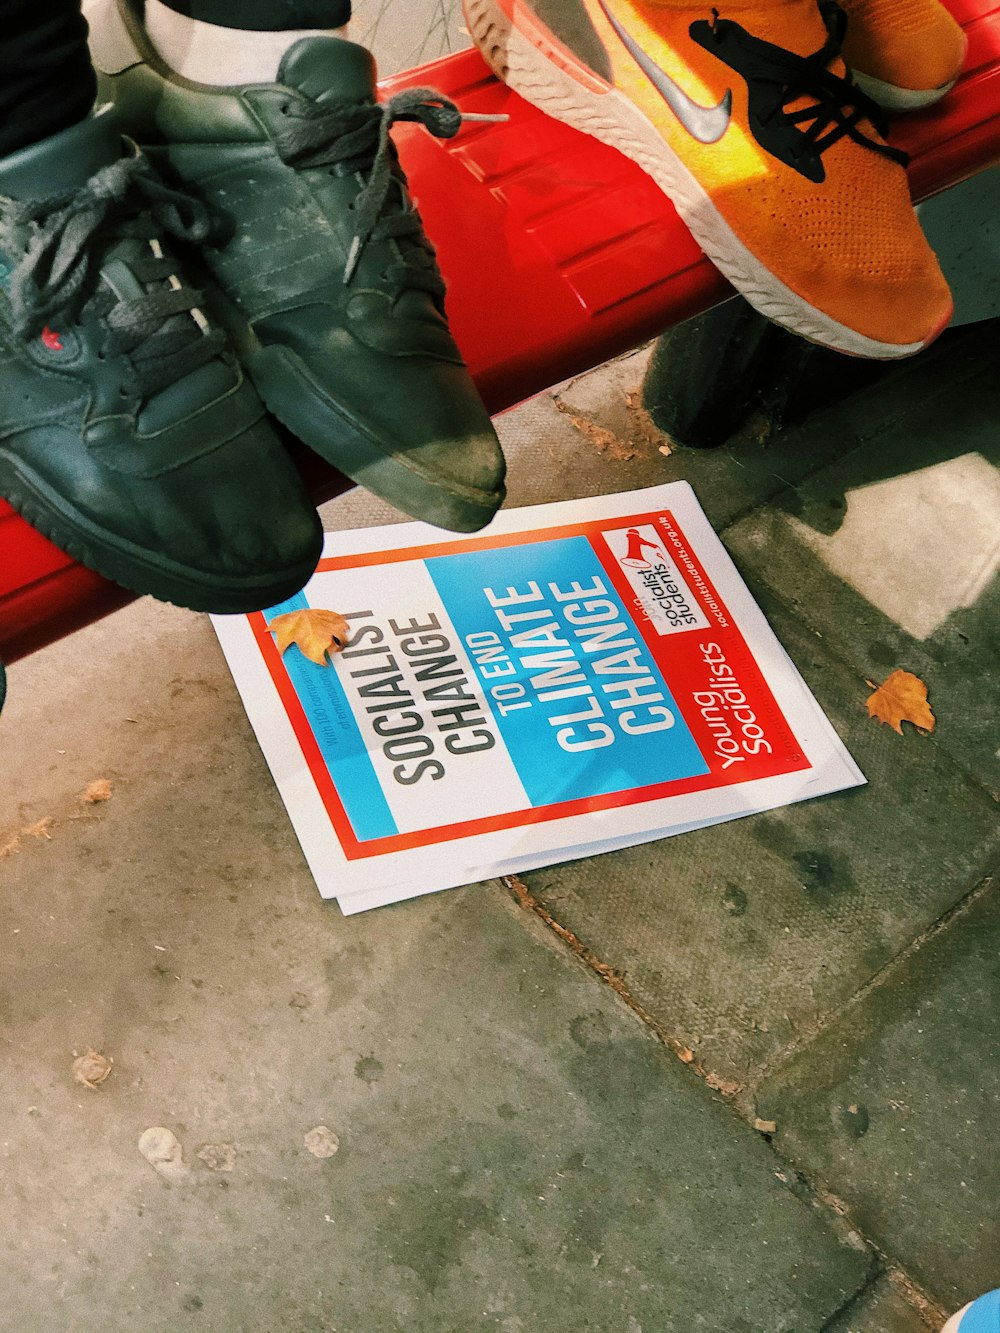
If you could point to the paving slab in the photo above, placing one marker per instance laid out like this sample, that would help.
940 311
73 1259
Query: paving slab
881 1309
896 1108
893 554
493 1140
750 468
515 1150
740 939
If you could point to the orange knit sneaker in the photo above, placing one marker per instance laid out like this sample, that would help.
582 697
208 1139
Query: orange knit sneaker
903 53
745 117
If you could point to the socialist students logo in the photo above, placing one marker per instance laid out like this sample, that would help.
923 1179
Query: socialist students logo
659 588
635 555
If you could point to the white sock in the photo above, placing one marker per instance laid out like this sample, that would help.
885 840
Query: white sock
206 53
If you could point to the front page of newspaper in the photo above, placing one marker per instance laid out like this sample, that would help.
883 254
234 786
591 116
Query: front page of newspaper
579 677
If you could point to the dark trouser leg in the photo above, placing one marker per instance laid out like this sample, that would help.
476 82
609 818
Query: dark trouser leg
266 15
46 79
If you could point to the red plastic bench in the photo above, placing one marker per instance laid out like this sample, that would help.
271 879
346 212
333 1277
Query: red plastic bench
559 253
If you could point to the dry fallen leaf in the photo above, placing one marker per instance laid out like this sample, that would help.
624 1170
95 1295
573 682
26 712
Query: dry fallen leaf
604 440
162 1150
685 1053
643 424
92 1069
901 698
14 843
726 1086
218 1156
321 1142
96 791
315 631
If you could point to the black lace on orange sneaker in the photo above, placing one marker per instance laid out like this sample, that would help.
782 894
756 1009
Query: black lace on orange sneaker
776 79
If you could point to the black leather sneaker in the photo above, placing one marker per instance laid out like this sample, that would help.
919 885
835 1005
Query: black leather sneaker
128 433
329 287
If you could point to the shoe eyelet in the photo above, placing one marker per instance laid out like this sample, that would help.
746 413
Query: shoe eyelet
284 108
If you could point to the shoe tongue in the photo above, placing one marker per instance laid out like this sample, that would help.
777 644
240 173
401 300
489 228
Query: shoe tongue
329 70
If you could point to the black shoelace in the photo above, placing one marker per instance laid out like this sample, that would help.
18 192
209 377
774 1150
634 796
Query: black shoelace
837 106
348 139
161 334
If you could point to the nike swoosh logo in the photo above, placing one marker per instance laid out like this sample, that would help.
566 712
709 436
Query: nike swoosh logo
707 124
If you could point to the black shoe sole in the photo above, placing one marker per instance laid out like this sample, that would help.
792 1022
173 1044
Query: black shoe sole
117 559
291 395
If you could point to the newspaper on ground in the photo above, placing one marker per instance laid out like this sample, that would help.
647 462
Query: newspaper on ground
576 678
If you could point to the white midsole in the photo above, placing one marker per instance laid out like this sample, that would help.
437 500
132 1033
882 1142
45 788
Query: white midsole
615 120
894 98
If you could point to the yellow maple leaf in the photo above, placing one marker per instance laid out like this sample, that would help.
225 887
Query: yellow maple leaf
902 697
315 631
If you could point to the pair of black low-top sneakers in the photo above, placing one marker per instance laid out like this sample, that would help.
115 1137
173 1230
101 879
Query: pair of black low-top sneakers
189 251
